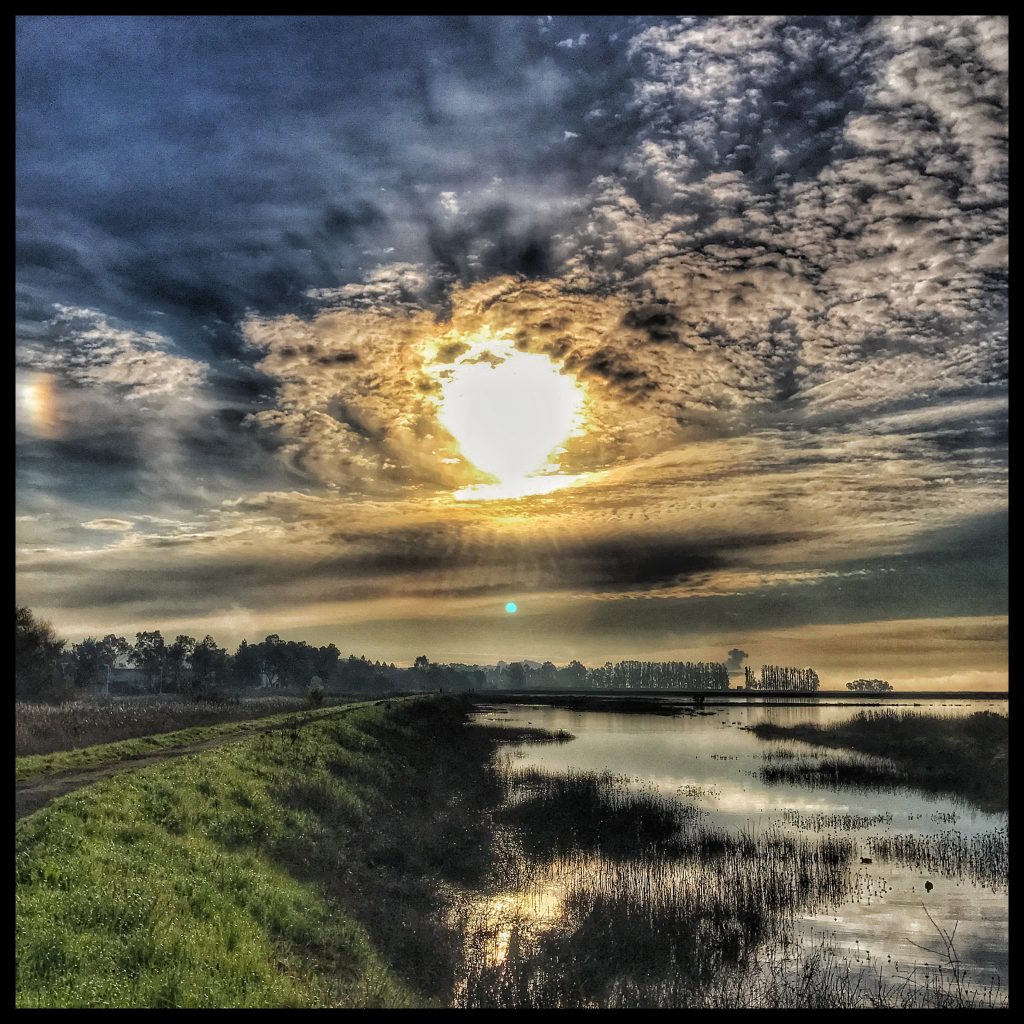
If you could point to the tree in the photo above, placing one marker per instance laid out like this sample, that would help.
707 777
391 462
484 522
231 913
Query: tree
574 674
422 663
870 685
209 664
272 658
246 665
37 652
150 654
94 658
516 675
325 662
179 659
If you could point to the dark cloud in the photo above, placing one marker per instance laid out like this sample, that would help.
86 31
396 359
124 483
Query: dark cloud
786 235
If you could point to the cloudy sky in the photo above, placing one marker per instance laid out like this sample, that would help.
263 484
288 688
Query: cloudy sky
681 334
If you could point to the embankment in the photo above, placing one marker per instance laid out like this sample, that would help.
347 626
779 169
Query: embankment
299 867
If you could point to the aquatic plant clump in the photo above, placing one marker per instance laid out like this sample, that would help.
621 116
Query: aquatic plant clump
983 859
680 915
965 757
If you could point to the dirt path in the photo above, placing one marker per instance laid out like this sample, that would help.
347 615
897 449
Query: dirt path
32 794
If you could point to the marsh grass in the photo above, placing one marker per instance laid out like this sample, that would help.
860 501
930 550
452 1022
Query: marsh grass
343 860
556 814
49 728
964 757
651 900
983 859
835 822
833 772
672 914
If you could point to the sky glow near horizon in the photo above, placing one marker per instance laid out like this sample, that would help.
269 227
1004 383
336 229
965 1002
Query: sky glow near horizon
692 332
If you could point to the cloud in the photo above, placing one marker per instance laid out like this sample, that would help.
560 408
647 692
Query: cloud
90 352
774 256
115 525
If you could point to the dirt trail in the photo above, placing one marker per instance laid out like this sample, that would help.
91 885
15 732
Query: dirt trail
32 794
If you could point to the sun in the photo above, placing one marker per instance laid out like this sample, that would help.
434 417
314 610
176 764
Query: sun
510 413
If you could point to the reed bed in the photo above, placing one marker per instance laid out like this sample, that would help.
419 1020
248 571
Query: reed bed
649 898
50 728
834 772
613 896
835 822
983 859
966 757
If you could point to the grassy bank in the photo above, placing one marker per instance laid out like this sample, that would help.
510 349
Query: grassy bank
40 765
89 721
295 868
966 757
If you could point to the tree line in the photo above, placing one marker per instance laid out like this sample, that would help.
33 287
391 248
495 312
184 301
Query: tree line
782 677
870 685
622 675
45 665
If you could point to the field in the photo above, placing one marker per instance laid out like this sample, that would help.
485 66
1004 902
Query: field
48 728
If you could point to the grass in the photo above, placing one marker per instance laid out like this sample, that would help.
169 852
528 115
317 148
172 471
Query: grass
176 885
678 916
835 822
813 772
302 867
983 858
651 899
87 722
555 814
40 765
342 862
965 757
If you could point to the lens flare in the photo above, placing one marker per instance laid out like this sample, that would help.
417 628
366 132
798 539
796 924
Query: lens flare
511 607
37 405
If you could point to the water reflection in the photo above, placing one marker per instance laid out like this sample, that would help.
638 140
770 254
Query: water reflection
878 915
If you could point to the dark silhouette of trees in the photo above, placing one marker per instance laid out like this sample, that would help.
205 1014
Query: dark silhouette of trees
660 675
179 661
574 674
209 665
245 666
870 685
150 654
272 660
37 656
781 677
92 659
186 664
325 661
516 675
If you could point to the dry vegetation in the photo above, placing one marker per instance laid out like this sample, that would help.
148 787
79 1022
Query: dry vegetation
49 728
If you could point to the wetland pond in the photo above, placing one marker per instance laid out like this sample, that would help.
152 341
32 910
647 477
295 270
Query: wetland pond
714 883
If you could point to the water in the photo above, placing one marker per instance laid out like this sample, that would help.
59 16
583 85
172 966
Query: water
711 761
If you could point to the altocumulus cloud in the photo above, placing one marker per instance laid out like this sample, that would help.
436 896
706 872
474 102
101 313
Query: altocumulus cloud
772 250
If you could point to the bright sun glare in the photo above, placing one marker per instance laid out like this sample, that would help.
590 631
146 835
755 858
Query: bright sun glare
510 413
